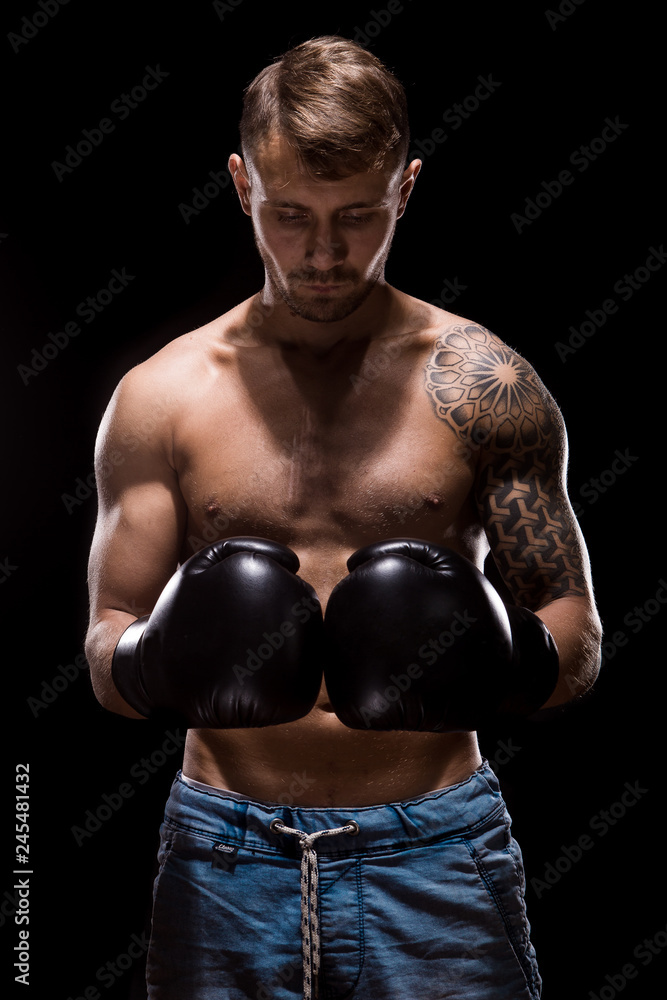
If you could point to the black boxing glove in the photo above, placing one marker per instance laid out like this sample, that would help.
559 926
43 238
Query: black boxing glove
233 641
419 639
535 664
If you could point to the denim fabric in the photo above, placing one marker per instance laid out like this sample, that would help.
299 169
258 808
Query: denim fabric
425 901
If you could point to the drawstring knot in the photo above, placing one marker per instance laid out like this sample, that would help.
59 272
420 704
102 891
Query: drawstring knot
310 930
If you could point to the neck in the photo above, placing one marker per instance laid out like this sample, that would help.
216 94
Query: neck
286 329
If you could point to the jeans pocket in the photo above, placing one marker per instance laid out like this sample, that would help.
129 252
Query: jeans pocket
164 850
499 864
226 923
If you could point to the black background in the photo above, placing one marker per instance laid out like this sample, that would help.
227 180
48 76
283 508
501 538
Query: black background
119 208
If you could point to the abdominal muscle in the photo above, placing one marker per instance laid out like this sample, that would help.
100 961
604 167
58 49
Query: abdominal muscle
317 761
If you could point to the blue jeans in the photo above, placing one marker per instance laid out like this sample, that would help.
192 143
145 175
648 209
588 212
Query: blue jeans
415 899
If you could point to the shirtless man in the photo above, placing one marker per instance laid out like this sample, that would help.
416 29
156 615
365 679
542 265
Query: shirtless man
327 413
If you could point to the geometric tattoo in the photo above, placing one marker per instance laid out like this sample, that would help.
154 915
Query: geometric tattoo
483 388
497 406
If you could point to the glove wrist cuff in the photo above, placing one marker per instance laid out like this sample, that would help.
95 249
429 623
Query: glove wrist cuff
535 662
126 667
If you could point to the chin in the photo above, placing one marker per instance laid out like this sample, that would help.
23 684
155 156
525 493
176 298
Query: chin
327 311
322 314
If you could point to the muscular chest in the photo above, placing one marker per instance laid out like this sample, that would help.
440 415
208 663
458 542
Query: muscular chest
332 464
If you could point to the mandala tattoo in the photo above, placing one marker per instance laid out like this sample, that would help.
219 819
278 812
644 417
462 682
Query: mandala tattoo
502 415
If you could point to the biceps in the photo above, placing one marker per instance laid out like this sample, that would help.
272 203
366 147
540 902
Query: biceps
136 546
532 532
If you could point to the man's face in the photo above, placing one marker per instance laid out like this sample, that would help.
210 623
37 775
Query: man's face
323 243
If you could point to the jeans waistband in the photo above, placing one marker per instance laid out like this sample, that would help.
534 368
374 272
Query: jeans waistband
446 812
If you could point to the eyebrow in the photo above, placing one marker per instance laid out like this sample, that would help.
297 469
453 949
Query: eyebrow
305 208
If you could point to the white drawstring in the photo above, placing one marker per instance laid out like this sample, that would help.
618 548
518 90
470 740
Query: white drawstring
310 930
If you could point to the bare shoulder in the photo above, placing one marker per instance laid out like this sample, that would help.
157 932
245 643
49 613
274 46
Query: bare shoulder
174 367
176 374
486 392
152 398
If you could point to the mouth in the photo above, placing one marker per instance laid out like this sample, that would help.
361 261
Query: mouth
322 289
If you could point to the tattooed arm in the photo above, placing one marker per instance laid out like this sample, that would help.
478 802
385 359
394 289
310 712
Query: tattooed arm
493 400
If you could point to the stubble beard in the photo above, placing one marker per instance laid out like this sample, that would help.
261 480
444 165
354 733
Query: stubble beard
321 309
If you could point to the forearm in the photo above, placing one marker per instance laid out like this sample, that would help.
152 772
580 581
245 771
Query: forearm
576 629
101 642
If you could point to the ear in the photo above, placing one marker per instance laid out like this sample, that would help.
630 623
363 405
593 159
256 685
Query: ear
239 172
406 185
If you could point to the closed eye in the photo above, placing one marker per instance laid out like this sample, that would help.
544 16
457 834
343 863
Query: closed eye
347 219
292 218
356 220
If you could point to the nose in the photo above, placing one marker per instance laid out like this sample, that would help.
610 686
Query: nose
326 250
